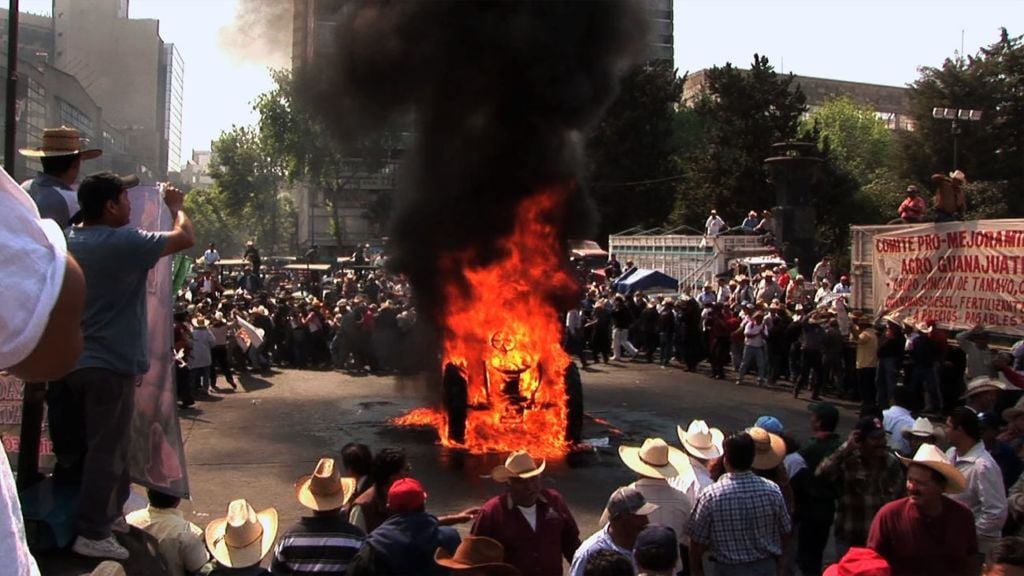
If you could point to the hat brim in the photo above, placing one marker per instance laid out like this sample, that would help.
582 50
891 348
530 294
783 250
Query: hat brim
773 457
677 463
40 153
955 481
644 510
249 555
444 558
908 433
503 474
320 503
981 389
714 451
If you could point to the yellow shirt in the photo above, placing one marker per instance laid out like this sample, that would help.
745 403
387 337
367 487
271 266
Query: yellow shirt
867 349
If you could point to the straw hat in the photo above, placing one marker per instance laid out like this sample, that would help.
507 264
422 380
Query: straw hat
243 537
108 568
930 456
476 552
769 449
324 489
199 321
922 428
655 459
519 464
1017 410
700 441
982 384
61 141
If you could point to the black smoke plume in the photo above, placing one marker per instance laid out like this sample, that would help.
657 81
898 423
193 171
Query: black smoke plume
501 93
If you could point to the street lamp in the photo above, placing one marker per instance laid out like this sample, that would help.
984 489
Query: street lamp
956 115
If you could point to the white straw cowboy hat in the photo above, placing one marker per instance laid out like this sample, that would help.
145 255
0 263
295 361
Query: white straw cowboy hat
61 141
930 456
108 568
243 537
982 384
655 459
922 428
519 464
1011 413
700 441
324 489
478 553
769 449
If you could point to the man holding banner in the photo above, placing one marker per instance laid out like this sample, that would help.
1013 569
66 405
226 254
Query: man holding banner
116 260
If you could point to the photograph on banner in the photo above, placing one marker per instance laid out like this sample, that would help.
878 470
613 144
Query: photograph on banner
157 457
957 274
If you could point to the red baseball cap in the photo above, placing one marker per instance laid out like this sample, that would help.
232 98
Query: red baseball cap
860 562
406 495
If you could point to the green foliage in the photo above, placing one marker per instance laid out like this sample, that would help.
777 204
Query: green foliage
742 113
637 140
859 141
991 149
269 220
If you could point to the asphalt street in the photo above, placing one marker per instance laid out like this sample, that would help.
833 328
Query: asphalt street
254 443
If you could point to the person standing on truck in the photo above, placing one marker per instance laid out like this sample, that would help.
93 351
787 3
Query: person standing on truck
750 223
913 207
950 203
823 271
714 225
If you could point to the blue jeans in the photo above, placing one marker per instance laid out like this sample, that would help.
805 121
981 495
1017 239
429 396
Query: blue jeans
752 354
665 343
925 379
886 379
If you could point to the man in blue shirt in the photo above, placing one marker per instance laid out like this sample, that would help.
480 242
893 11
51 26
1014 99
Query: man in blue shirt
116 260
61 156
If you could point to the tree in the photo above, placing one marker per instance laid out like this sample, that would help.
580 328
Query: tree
859 141
305 152
989 150
743 114
632 151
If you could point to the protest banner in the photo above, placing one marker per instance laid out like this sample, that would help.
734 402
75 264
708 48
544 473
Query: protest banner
12 391
959 274
157 458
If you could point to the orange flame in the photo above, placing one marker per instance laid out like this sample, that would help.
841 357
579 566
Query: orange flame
504 336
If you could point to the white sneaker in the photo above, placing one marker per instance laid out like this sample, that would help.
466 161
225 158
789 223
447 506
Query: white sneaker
121 526
105 548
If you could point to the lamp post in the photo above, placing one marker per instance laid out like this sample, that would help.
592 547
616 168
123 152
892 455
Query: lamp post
956 115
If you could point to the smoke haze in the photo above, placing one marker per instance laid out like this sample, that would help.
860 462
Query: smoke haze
260 33
501 93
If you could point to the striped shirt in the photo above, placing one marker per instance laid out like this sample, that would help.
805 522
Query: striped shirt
741 518
317 545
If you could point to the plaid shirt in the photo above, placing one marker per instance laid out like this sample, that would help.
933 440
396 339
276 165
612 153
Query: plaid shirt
741 518
862 490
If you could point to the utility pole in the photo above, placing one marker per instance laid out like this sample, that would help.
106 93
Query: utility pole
11 116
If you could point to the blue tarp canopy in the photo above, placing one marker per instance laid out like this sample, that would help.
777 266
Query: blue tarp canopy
644 279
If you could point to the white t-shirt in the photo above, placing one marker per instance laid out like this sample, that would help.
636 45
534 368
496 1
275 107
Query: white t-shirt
530 514
32 268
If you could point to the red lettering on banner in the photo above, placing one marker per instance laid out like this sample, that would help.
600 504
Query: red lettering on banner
916 266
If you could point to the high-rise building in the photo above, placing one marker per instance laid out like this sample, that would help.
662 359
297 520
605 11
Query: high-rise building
120 62
661 38
173 72
313 26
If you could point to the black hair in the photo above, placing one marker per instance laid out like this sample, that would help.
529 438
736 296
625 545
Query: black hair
59 165
95 191
387 463
739 451
657 559
902 396
828 421
357 458
967 420
158 499
1008 551
608 563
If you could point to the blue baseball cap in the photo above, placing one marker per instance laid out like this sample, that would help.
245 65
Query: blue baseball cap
771 424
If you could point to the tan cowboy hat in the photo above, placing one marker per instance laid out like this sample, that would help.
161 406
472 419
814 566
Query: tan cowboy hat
958 176
243 537
479 553
922 428
199 321
930 456
519 464
700 441
108 568
61 141
769 449
1011 413
655 459
982 384
324 489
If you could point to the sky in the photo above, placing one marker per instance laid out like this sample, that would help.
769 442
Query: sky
874 41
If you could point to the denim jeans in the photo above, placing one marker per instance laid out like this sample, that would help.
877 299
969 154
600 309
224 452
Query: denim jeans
926 380
752 354
886 379
665 343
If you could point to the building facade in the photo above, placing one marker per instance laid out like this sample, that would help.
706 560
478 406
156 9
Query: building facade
172 71
661 35
196 172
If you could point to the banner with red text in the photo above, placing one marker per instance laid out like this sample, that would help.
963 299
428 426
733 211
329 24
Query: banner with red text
959 274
